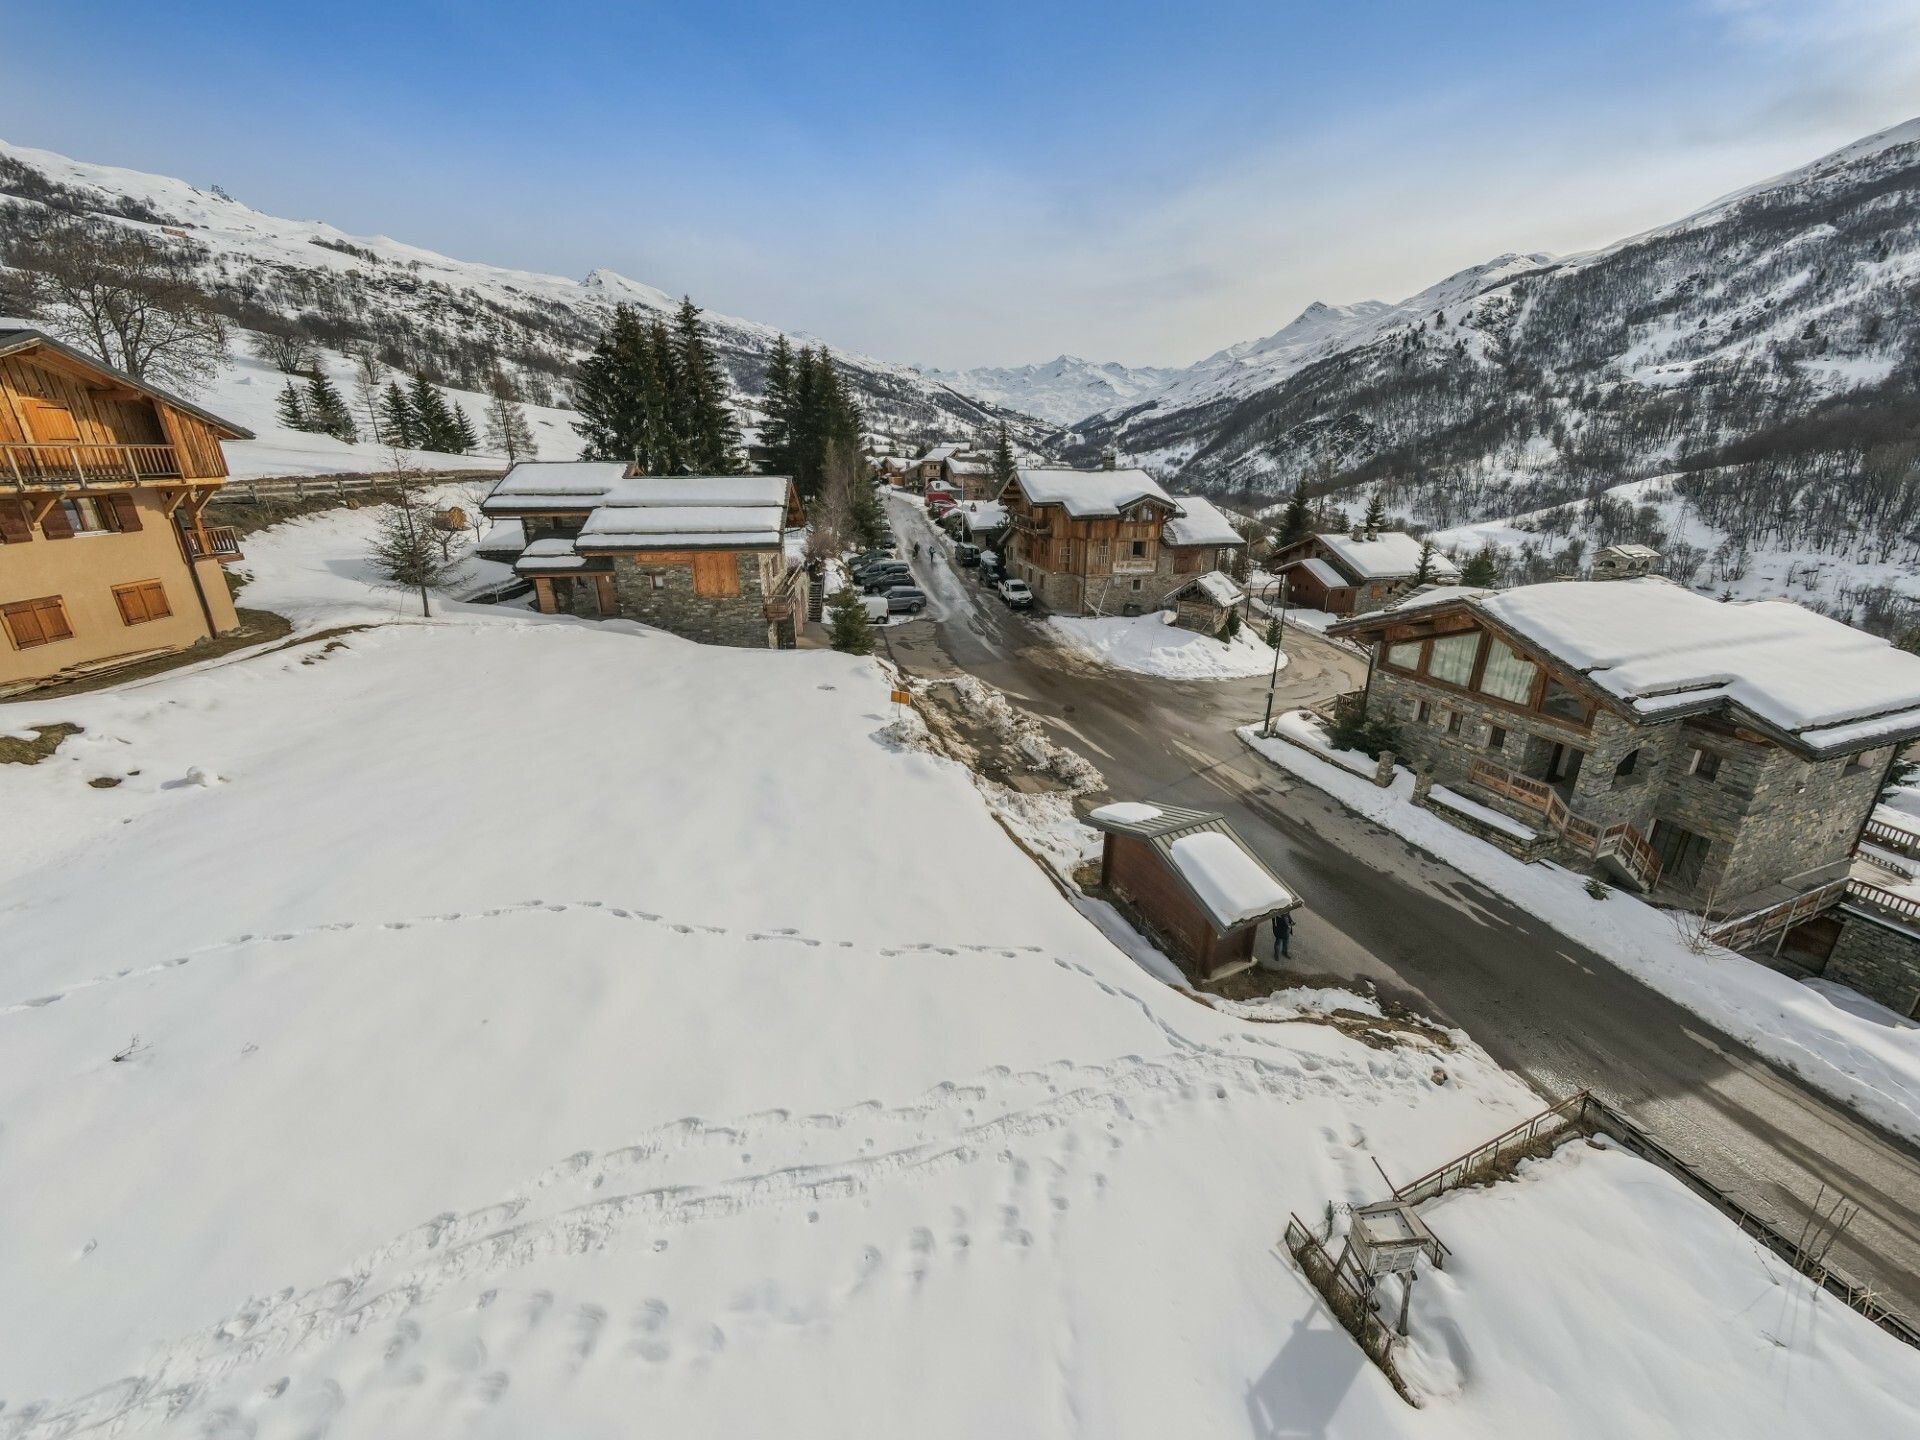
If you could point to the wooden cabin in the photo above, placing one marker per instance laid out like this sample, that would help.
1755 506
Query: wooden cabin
105 557
1191 884
1356 572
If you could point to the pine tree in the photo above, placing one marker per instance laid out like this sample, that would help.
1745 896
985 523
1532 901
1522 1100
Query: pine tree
1003 466
327 413
397 424
704 422
507 430
663 449
1296 523
291 410
1376 518
1482 569
460 431
777 433
1229 627
1423 572
847 627
405 552
432 421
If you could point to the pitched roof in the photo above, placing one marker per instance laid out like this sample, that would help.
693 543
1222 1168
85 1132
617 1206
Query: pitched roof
1320 570
555 555
1216 585
1200 522
1663 651
538 485
18 340
1388 555
1086 493
690 512
1201 851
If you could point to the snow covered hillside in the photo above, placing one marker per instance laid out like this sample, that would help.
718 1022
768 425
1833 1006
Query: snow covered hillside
440 314
1063 390
1772 330
517 1025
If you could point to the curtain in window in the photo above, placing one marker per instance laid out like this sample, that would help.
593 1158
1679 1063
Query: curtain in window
1507 676
1452 658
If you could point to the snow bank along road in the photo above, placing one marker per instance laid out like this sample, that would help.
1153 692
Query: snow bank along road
1379 910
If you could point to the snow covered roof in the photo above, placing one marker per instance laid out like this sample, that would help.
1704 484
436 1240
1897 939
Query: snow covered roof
1087 493
1320 570
691 512
1388 555
504 539
1200 522
554 555
939 453
1233 887
1663 650
538 485
1126 812
961 466
983 514
1217 586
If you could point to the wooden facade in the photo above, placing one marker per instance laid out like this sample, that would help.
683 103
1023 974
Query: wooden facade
86 451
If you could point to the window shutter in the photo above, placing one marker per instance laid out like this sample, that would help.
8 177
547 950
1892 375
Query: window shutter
126 514
133 606
155 596
55 525
53 619
14 529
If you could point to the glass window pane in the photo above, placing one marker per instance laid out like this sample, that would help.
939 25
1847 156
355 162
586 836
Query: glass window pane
1405 655
1452 658
1507 676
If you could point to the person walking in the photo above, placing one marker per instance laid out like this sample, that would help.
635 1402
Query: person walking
1282 936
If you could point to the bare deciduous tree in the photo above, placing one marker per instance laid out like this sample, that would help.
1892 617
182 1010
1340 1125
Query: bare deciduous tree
289 354
125 296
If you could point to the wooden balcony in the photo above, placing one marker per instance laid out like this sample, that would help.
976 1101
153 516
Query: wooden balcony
74 464
222 542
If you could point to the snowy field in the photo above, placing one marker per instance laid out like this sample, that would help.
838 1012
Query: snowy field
512 1025
1859 1052
1152 645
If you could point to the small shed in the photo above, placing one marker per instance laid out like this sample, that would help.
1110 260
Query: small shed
1203 602
1625 562
1194 886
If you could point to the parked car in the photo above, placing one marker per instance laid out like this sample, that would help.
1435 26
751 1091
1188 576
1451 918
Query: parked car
968 555
885 562
989 568
1016 594
908 598
879 584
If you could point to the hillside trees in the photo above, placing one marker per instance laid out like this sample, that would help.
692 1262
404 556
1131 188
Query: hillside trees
810 412
657 397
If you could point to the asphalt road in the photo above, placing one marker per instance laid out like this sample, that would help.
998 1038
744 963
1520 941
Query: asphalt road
1379 911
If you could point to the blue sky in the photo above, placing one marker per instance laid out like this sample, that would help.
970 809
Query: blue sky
973 184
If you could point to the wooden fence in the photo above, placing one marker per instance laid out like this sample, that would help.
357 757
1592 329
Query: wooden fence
339 487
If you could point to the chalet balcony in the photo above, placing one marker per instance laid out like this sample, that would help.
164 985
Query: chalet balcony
222 542
74 464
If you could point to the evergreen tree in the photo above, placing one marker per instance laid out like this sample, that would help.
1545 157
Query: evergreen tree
291 410
777 433
1296 523
460 431
608 393
704 422
507 428
1376 518
1423 572
1229 627
663 446
327 413
432 421
397 425
406 554
1003 466
1482 569
847 627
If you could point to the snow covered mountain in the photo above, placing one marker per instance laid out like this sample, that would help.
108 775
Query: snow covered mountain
1063 390
1530 380
429 312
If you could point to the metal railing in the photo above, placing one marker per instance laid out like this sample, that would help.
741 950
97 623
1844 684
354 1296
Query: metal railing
72 462
1473 1166
1350 1303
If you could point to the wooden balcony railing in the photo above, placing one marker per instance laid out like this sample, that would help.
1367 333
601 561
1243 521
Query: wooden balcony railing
76 463
1621 842
222 543
1891 837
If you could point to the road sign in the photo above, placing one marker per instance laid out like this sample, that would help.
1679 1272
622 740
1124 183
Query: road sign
903 697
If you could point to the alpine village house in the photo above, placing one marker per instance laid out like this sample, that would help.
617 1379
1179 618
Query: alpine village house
1725 756
104 555
1353 573
714 558
1109 542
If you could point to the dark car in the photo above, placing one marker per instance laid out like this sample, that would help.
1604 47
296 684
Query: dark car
868 567
885 580
967 554
908 598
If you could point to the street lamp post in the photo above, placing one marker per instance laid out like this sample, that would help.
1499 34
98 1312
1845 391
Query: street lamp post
1273 680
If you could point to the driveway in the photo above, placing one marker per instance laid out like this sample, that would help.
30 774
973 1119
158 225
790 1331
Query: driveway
1422 933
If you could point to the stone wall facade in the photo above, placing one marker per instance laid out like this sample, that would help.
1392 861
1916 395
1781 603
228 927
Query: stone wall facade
1879 958
1069 593
1769 816
662 594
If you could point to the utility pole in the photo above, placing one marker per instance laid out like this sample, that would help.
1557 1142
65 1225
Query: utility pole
1273 680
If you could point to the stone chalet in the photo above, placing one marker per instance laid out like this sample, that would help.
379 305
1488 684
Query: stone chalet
1190 884
712 557
1109 542
1728 755
1351 574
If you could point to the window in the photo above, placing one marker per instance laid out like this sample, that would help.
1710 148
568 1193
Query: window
1453 722
1563 703
1507 676
1139 549
1421 709
87 513
36 622
1452 657
1623 773
1405 656
142 602
1137 585
1703 764
1496 737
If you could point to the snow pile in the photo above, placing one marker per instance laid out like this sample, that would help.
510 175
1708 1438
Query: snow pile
1234 887
1150 645
528 1036
1024 734
1126 812
1845 1052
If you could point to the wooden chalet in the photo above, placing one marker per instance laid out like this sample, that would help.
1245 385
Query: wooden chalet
105 557
1190 882
1351 573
